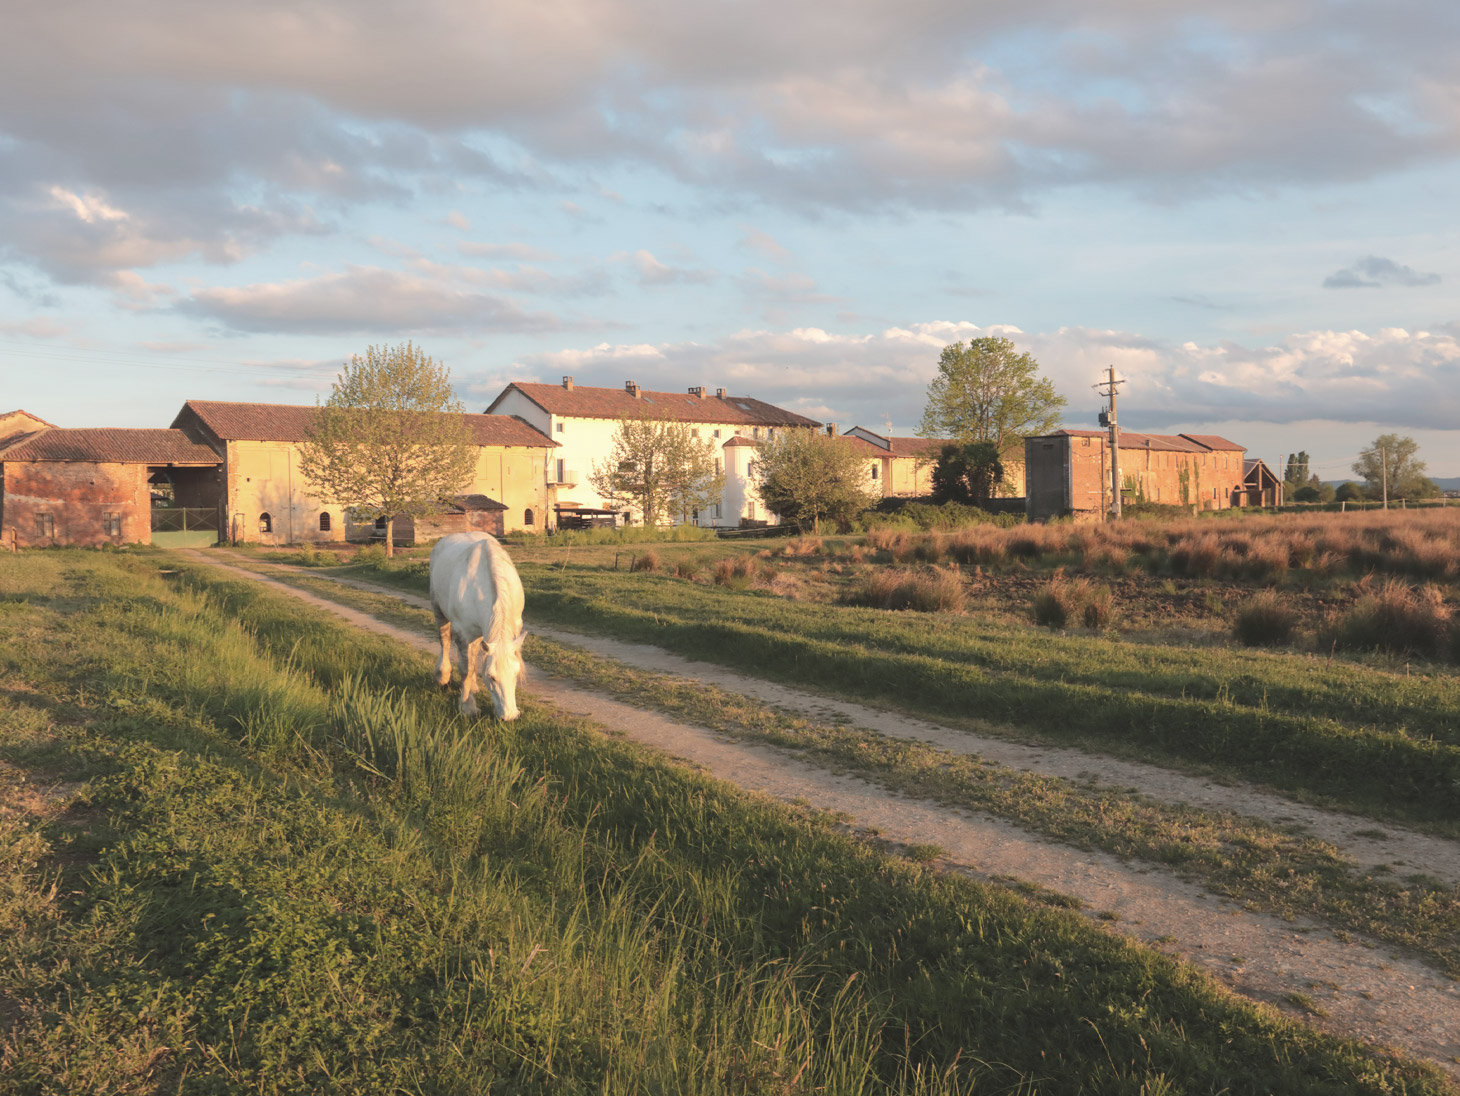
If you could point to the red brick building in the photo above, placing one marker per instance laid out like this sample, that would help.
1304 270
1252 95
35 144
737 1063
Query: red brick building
1068 472
92 487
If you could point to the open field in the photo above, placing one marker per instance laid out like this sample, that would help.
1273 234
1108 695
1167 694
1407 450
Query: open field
282 864
1259 861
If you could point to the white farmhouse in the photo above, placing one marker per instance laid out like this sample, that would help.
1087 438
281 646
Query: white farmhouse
584 420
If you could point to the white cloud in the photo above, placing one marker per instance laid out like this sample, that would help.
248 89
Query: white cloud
366 300
652 272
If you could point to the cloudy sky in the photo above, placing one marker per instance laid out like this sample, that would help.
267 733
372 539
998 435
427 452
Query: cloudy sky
1249 208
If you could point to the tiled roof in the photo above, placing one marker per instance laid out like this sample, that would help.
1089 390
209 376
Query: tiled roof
17 425
290 422
617 403
475 502
1215 441
1170 443
114 445
740 440
899 447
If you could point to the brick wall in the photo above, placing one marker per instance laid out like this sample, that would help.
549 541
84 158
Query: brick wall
76 496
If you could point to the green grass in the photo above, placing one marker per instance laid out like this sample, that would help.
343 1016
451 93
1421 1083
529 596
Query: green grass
1375 742
293 869
1239 857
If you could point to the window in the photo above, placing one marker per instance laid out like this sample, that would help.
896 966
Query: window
750 510
875 471
755 431
719 466
111 524
560 428
562 467
324 522
528 517
266 523
718 514
694 432
717 433
45 525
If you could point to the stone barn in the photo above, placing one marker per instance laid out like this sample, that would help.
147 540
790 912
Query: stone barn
108 486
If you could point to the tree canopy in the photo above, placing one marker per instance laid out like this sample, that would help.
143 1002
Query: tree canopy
986 391
659 468
967 473
391 441
1296 474
1393 459
809 477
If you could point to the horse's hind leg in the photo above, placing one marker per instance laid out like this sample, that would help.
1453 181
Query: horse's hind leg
443 629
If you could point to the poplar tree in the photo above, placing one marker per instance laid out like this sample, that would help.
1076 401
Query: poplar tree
391 441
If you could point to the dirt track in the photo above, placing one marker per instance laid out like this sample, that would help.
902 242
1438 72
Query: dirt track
1367 991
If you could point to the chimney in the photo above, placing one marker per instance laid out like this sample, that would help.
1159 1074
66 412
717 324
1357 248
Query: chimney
632 388
831 429
698 393
719 393
568 383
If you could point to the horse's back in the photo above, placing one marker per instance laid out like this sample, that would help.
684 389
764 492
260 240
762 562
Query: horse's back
471 574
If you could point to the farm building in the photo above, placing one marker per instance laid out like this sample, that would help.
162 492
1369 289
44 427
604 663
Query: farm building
97 486
267 500
584 420
1068 472
1260 483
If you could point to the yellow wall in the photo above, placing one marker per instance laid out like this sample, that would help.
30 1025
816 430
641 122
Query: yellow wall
264 477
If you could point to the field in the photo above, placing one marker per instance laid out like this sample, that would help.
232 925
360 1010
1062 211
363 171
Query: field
248 849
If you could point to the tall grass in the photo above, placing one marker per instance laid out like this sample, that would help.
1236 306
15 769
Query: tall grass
931 591
1415 544
1399 618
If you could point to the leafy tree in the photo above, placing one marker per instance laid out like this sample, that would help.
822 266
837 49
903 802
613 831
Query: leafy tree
1307 493
1296 473
390 441
659 468
986 391
1348 492
967 473
809 477
1393 459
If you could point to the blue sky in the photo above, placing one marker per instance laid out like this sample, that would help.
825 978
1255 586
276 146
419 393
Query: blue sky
1250 214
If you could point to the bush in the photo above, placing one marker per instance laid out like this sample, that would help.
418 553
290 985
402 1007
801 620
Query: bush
1060 600
371 554
687 567
1098 611
901 513
735 572
1264 620
1398 618
934 591
645 561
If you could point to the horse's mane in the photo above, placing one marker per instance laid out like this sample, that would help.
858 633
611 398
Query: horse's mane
502 628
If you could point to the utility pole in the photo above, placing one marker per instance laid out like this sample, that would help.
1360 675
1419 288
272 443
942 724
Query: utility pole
1108 388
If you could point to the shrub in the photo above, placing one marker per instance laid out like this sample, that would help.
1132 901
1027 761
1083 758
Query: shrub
687 567
932 591
1061 600
1397 618
646 561
1264 620
371 553
735 572
1098 611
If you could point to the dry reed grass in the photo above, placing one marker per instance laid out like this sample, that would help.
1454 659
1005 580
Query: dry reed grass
1063 601
931 591
1264 620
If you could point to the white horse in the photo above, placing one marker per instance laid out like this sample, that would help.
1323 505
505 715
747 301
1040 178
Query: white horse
477 596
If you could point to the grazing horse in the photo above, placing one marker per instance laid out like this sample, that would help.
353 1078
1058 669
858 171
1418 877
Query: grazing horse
477 597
